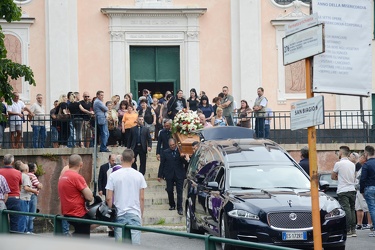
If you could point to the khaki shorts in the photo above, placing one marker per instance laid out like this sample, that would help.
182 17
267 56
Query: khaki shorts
14 127
360 202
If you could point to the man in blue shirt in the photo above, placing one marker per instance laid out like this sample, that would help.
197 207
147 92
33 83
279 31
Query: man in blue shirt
100 111
367 182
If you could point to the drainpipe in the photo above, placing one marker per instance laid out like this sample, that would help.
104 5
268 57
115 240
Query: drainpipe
363 119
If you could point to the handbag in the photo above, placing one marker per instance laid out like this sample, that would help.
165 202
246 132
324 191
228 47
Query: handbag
61 116
151 127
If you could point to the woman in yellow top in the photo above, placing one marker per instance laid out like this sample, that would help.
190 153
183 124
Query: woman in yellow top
129 120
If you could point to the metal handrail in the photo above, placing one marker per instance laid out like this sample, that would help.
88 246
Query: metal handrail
343 126
210 241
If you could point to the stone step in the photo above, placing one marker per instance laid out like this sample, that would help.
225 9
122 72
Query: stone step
159 217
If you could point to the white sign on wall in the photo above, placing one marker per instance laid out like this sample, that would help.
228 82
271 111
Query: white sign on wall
307 113
303 44
346 66
301 24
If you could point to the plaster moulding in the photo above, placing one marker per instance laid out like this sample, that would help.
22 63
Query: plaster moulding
279 24
131 26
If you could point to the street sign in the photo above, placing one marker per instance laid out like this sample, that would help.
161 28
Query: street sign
301 24
303 44
346 66
307 113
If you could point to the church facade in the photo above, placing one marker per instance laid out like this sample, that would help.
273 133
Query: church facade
122 46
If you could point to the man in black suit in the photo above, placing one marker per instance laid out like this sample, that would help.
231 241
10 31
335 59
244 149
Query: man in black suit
140 142
163 138
172 170
102 179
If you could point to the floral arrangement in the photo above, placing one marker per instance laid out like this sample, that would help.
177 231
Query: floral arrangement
186 122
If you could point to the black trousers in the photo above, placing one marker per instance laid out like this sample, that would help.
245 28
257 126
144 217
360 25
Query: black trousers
142 158
80 229
179 189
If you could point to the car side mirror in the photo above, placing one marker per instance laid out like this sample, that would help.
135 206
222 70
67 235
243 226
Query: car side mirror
199 178
213 185
323 185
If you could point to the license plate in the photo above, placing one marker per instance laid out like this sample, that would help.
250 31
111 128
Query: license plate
294 235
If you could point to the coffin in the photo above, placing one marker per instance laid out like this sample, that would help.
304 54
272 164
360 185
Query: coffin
185 142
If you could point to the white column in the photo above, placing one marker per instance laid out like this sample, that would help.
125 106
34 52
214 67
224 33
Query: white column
192 66
246 49
62 48
117 44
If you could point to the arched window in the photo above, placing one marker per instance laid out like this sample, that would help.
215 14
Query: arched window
288 2
22 1
14 53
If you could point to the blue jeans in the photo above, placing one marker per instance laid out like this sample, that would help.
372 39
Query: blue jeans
39 136
370 199
15 205
32 209
54 134
104 134
259 127
266 131
65 227
129 219
23 218
71 135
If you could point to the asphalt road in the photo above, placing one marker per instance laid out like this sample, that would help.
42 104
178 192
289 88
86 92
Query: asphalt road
166 242
100 241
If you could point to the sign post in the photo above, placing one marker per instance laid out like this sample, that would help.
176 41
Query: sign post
299 53
314 178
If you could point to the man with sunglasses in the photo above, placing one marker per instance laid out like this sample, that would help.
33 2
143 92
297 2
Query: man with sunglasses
85 107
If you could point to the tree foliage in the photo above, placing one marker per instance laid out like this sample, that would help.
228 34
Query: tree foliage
9 11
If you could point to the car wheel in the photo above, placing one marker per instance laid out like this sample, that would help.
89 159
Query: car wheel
224 233
189 222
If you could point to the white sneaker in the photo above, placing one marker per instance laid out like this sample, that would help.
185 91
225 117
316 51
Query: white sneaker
372 234
364 226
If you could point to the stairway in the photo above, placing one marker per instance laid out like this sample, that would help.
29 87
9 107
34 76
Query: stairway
156 198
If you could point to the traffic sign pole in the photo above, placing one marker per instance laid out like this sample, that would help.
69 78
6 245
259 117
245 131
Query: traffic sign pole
314 181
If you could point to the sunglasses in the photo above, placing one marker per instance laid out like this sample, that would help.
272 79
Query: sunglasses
87 96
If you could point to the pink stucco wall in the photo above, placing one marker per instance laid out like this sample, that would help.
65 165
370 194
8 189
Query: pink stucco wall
215 47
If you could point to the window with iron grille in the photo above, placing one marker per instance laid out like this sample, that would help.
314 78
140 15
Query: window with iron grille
286 2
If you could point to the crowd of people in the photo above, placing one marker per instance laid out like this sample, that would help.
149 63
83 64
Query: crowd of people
355 176
72 118
19 189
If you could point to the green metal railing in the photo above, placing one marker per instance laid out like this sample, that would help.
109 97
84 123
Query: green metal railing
210 241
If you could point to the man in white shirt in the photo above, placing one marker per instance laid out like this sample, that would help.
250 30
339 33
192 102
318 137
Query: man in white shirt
125 189
38 122
344 172
259 109
15 112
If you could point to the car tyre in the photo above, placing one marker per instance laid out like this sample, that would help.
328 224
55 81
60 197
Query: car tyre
224 233
189 223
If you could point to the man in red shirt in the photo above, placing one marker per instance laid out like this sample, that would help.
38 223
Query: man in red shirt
14 180
74 192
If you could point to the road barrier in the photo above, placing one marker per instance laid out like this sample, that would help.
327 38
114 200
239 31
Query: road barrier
210 241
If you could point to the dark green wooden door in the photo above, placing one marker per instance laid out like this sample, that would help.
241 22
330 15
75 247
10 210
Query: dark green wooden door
154 68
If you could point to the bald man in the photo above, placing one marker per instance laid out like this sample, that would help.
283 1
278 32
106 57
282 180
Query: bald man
74 192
